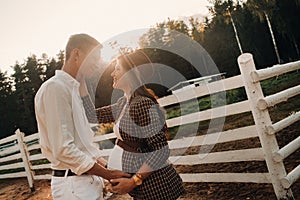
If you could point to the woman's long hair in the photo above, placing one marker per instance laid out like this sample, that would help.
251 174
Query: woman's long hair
132 60
129 62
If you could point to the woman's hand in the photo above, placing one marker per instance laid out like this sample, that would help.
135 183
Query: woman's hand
124 185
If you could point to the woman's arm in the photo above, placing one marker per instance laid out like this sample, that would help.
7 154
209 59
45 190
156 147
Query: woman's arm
99 115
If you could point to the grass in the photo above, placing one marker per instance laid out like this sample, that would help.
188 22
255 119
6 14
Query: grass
8 171
279 83
269 87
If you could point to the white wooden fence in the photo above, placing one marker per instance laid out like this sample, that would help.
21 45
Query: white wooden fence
25 151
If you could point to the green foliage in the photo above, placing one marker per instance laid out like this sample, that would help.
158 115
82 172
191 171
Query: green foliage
206 102
215 35
8 171
40 162
7 106
269 86
279 83
17 93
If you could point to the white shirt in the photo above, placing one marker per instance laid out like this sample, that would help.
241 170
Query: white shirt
66 138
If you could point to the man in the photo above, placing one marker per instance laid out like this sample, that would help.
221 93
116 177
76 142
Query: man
66 138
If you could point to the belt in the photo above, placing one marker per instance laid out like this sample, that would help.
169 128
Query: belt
61 173
129 146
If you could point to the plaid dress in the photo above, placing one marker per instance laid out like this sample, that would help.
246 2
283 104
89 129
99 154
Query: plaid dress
142 123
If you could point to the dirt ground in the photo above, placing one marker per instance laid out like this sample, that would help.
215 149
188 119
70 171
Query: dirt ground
18 189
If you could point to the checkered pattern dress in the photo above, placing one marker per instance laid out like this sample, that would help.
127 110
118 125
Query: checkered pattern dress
142 123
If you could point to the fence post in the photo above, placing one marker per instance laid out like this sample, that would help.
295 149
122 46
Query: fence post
25 158
262 121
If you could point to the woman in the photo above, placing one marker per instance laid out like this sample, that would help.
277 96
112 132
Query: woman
141 146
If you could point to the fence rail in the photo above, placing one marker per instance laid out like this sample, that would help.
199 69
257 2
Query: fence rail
262 74
23 153
202 90
227 177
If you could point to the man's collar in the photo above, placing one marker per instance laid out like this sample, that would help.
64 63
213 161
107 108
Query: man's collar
67 77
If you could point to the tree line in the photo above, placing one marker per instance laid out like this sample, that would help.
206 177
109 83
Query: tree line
269 29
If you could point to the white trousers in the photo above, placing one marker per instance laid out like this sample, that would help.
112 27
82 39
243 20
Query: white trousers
77 188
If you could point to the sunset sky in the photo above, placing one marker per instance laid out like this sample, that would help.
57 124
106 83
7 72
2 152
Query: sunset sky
43 26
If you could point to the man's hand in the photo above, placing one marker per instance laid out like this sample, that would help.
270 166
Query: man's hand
115 174
124 185
107 174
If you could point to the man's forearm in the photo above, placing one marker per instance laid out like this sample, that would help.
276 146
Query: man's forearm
105 173
99 170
